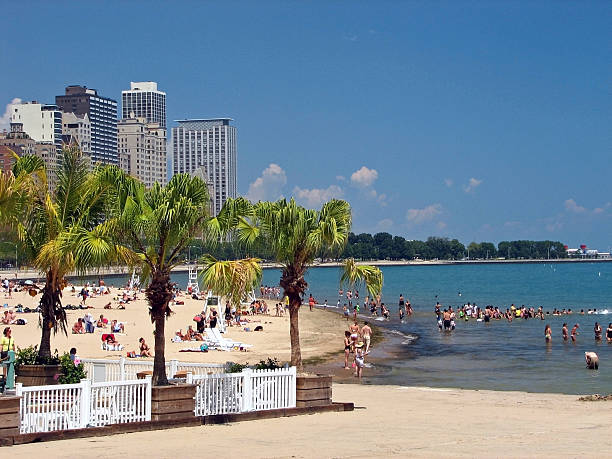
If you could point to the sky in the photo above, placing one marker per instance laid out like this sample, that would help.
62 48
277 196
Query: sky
482 121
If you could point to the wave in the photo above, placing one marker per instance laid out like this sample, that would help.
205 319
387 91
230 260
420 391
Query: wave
408 338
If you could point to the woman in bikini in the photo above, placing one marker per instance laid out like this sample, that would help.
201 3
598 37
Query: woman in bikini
609 333
547 333
354 329
347 348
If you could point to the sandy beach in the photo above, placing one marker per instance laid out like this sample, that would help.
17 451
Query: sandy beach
389 421
321 332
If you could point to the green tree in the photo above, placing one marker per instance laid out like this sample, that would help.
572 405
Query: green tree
294 236
61 231
157 224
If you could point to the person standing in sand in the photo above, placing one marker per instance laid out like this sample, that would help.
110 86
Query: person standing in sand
347 348
366 334
354 329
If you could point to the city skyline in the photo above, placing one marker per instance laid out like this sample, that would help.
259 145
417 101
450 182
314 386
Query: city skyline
481 122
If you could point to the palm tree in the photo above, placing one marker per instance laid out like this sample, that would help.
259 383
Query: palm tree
61 231
231 279
354 275
158 224
294 235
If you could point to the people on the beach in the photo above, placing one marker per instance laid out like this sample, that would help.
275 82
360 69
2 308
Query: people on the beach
366 334
564 332
7 343
354 329
78 328
144 348
592 360
359 359
609 333
347 348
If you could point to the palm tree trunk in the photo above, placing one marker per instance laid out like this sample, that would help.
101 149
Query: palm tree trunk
52 315
294 332
159 294
159 362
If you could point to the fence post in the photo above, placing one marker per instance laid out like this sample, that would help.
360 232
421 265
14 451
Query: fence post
247 389
122 368
85 402
148 379
173 368
19 389
189 377
293 388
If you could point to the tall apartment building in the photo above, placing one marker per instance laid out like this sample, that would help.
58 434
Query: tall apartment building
77 130
142 150
43 123
102 114
208 146
144 101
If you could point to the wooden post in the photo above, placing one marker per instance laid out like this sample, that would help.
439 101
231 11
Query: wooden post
9 416
313 390
173 402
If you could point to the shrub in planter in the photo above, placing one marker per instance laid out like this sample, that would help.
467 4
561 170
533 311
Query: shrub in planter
29 356
72 372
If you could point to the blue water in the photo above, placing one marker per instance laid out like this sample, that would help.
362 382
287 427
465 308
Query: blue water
498 355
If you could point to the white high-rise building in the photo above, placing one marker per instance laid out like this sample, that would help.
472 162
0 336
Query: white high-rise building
208 147
142 150
144 101
77 130
43 123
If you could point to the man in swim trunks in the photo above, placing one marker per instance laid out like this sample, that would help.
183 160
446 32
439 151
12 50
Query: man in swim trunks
447 319
366 333
564 332
575 332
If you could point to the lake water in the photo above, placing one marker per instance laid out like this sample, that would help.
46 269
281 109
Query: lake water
498 355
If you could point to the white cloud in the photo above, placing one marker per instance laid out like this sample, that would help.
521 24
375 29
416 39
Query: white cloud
384 225
317 196
5 121
269 186
364 176
448 182
418 216
571 206
472 185
340 178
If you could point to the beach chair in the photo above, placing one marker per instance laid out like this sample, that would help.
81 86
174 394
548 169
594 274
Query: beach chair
214 342
227 341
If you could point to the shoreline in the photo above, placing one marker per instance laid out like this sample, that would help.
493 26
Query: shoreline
29 273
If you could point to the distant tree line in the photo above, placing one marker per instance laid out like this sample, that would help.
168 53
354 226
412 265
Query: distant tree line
384 246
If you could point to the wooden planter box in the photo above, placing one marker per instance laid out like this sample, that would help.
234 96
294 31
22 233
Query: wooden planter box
9 416
175 402
313 390
38 375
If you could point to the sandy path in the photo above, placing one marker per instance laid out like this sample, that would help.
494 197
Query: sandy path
390 421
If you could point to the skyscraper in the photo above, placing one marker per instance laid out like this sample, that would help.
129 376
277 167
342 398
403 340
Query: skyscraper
143 100
208 147
142 150
102 114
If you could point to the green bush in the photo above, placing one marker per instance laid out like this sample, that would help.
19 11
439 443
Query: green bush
29 356
237 367
71 373
270 364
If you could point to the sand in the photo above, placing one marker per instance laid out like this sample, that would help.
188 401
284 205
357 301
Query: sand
389 421
321 332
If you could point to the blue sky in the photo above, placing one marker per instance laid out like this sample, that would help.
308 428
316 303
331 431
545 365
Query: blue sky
477 120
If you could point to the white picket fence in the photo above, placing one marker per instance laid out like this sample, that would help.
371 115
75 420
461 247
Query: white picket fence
86 404
100 370
96 404
250 390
